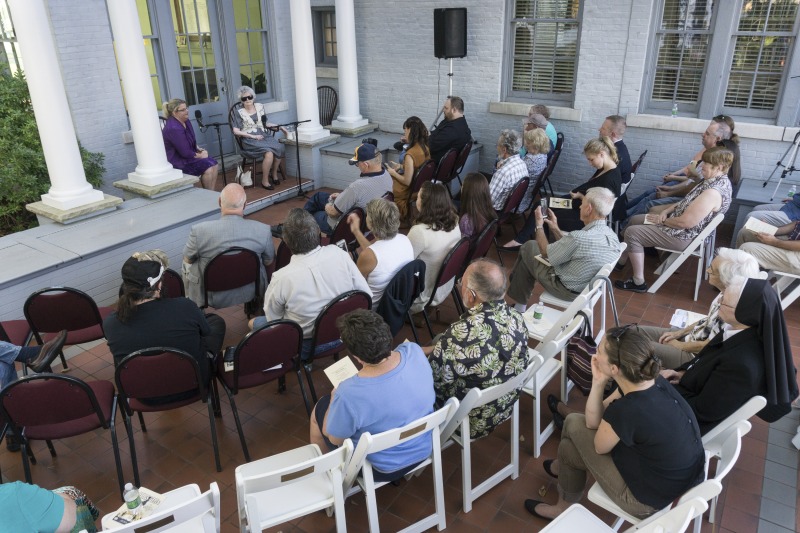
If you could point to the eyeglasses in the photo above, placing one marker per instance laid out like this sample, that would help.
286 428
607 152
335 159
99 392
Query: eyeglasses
459 283
245 98
182 110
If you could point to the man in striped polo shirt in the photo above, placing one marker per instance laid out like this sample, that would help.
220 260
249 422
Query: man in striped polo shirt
373 183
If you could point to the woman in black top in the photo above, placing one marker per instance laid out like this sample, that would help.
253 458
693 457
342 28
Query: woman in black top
602 155
641 444
144 320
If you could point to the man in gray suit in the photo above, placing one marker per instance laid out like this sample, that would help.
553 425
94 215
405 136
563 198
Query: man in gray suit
208 239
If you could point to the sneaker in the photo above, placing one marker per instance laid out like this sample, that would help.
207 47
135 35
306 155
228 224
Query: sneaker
277 231
629 285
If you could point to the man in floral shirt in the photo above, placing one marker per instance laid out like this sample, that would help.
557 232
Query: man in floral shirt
488 345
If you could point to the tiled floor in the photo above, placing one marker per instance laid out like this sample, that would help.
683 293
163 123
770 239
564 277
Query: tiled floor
760 494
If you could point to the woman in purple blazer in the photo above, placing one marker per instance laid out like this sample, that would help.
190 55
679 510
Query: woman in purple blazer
181 145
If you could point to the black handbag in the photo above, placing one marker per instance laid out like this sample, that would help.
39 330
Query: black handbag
580 350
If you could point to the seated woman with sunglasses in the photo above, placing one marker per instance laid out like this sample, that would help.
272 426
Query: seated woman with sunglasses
642 444
258 136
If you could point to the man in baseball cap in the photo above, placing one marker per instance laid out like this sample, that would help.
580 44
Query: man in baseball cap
373 183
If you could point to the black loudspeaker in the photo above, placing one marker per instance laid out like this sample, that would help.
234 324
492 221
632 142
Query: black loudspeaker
450 32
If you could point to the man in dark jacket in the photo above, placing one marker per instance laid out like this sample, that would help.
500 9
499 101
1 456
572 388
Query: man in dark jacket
453 132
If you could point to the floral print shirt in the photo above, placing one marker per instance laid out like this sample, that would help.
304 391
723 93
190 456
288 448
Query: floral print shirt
487 346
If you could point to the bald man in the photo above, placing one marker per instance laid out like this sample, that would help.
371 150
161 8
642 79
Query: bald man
486 346
207 239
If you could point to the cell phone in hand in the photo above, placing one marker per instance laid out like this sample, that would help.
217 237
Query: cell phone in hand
543 204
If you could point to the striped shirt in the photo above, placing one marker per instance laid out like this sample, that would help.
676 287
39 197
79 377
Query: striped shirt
504 179
579 255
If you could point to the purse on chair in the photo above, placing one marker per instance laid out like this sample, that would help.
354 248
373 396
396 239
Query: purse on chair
580 350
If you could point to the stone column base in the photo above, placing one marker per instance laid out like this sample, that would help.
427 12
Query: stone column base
133 190
48 215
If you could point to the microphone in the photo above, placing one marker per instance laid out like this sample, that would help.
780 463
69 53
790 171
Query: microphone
199 117
264 121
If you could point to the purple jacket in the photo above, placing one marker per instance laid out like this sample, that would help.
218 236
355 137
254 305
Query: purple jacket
179 142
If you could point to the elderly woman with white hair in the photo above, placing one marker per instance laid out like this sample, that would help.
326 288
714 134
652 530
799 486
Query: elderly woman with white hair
677 346
510 169
258 135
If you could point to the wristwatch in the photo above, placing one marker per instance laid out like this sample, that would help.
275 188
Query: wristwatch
539 227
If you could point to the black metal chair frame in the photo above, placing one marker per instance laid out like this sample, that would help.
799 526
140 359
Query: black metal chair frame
326 94
205 395
27 454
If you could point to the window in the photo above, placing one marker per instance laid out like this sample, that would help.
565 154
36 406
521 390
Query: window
325 37
727 57
150 48
543 50
251 45
10 58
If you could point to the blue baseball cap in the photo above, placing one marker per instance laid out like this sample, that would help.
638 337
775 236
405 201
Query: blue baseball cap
365 152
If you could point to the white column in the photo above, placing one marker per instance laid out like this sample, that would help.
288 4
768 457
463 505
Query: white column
153 167
347 59
305 72
68 186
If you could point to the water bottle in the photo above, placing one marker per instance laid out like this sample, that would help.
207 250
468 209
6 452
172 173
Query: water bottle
675 110
538 312
132 500
792 191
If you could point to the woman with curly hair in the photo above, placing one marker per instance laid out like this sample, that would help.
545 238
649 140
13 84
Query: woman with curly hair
433 235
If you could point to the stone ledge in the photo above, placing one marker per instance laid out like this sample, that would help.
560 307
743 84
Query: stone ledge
521 110
354 132
325 141
45 213
156 191
745 130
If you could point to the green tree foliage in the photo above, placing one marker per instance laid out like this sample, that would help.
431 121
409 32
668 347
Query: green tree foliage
23 171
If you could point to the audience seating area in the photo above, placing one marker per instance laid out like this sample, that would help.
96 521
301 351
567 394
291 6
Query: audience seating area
280 481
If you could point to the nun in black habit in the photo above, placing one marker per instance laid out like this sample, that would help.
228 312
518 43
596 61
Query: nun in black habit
751 356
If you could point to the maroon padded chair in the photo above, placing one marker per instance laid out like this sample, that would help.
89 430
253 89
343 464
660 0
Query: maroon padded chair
461 160
233 268
157 373
325 330
263 355
444 171
425 172
172 285
511 206
451 266
480 245
53 406
50 310
552 160
282 257
18 333
342 231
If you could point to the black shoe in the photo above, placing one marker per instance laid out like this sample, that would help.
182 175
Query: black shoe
552 403
49 352
530 506
558 420
546 465
277 231
269 187
11 443
629 285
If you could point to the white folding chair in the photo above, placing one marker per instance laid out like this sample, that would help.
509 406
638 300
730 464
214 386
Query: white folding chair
458 430
706 490
295 483
701 247
544 373
198 513
745 412
783 286
677 519
369 444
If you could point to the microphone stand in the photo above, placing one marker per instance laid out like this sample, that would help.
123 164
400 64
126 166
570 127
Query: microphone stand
294 124
216 125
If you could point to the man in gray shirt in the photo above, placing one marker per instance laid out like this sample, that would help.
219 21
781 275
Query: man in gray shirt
373 183
566 266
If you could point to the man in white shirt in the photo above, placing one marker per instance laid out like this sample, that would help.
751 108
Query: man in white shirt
314 276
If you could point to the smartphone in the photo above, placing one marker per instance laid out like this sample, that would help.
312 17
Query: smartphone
342 244
543 203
